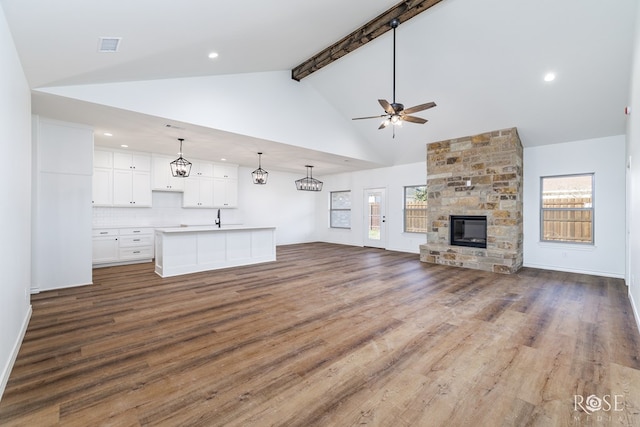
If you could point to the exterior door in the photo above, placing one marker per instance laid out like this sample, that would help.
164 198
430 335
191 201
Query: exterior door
375 219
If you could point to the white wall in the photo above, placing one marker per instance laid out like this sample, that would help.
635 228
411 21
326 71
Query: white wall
606 158
277 203
633 180
15 203
394 179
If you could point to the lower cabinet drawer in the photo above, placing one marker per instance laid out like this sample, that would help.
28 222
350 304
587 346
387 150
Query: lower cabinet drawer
130 241
141 252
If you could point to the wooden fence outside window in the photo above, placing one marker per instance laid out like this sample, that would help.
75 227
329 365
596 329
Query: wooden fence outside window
567 220
415 217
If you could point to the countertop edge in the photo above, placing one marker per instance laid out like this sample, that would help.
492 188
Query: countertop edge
194 229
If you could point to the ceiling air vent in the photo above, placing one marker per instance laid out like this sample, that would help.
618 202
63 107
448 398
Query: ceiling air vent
109 44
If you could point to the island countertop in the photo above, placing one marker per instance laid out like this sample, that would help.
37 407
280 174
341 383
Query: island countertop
198 228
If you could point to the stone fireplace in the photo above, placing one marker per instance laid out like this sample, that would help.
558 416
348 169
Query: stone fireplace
469 179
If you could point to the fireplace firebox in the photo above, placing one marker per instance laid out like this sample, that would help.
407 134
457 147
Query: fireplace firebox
468 230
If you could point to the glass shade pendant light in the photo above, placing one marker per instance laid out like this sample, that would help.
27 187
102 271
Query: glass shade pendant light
309 183
259 175
180 167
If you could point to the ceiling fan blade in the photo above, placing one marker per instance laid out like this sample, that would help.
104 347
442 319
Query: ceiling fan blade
420 108
413 119
387 107
370 117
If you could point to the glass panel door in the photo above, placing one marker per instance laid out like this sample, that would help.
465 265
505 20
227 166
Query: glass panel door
375 218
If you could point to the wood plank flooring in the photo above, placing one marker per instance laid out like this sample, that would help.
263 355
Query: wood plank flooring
329 335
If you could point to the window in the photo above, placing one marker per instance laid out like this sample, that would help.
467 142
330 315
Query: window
566 209
415 209
340 209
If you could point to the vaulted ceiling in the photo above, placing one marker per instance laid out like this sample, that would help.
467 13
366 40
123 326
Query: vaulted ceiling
482 63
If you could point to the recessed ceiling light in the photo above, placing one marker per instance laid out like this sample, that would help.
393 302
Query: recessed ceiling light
213 55
107 134
549 77
223 159
124 146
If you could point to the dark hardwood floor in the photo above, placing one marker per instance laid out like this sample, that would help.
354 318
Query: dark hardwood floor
329 335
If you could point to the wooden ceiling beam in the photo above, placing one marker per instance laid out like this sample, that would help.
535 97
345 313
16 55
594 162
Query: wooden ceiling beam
376 27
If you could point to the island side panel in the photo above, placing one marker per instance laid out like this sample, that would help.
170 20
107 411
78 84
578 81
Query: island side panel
191 250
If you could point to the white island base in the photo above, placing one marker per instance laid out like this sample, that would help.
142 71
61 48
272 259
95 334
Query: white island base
183 250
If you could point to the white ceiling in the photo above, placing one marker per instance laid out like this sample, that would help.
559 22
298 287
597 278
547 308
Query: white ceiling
482 62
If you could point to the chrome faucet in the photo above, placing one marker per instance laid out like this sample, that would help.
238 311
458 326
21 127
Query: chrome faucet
217 221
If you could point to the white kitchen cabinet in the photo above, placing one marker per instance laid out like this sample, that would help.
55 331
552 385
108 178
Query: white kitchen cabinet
102 187
105 246
121 179
226 171
225 186
225 193
131 188
200 168
112 246
102 159
198 192
162 179
132 160
102 180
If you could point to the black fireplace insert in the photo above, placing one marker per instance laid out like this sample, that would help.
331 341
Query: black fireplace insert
468 230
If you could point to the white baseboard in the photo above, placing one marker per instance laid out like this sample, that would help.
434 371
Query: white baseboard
575 270
634 307
6 370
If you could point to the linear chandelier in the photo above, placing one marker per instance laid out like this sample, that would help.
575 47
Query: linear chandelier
309 183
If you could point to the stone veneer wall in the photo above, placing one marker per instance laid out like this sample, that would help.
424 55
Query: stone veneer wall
476 175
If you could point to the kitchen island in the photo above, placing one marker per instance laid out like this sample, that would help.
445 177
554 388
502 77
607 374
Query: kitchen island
191 249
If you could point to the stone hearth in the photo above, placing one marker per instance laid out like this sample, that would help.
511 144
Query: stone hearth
476 175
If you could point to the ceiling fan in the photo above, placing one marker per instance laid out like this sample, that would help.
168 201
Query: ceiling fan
395 113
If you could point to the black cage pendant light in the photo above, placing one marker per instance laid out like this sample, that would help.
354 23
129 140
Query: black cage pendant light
259 175
180 167
309 183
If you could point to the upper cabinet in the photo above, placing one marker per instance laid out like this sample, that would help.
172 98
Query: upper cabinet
131 188
225 171
162 179
133 161
121 179
102 181
198 187
225 186
125 179
201 168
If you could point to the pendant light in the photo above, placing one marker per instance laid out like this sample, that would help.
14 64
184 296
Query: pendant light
309 183
259 175
180 167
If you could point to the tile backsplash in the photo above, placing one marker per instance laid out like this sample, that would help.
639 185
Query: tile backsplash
167 211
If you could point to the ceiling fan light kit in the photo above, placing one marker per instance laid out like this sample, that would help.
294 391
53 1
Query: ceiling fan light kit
309 183
395 113
180 167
